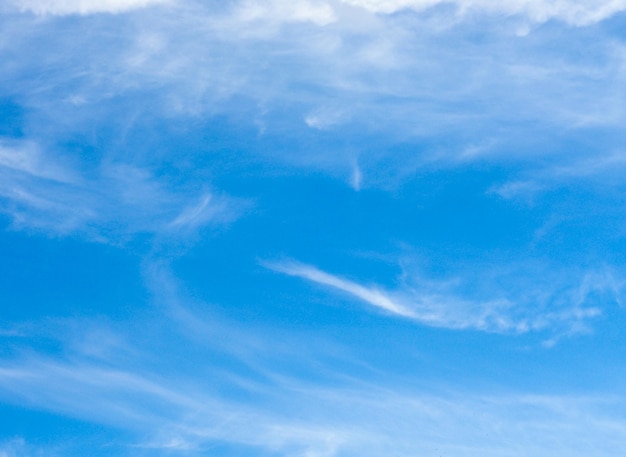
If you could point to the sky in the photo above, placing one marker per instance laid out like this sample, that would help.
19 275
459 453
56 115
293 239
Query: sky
312 228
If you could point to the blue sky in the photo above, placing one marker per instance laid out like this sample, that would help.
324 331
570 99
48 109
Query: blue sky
312 228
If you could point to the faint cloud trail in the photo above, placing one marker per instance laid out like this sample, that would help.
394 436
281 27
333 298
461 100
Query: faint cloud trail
437 305
369 294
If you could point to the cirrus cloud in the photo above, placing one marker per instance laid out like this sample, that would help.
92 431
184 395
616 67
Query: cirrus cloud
82 7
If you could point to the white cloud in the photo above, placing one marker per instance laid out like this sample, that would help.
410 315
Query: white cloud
182 413
18 447
26 157
576 12
440 304
110 203
335 68
605 170
209 209
315 11
151 386
82 7
356 180
325 118
371 295
322 12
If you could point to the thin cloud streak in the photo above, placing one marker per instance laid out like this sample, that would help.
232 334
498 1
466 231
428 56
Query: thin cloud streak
350 421
82 7
112 203
322 12
575 12
167 405
435 305
370 295
384 82
120 130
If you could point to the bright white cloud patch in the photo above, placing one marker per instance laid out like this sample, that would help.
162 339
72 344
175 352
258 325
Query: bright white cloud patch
370 295
67 7
321 12
317 12
575 12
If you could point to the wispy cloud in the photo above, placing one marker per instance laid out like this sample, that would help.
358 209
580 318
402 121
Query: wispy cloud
445 304
82 7
351 420
111 203
371 295
572 11
320 13
603 172
178 396
18 447
27 158
125 119
342 68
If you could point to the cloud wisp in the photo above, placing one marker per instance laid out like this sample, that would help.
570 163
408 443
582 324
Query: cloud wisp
324 12
575 12
121 116
81 7
371 295
438 304
164 411
111 203
413 81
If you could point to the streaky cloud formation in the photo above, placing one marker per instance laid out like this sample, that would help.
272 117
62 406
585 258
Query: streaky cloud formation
112 203
448 173
322 12
437 304
370 295
393 82
82 7
17 447
575 12
317 12
556 424
186 411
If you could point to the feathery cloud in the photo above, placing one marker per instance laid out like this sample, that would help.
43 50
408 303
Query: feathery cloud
437 304
575 12
116 201
82 7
